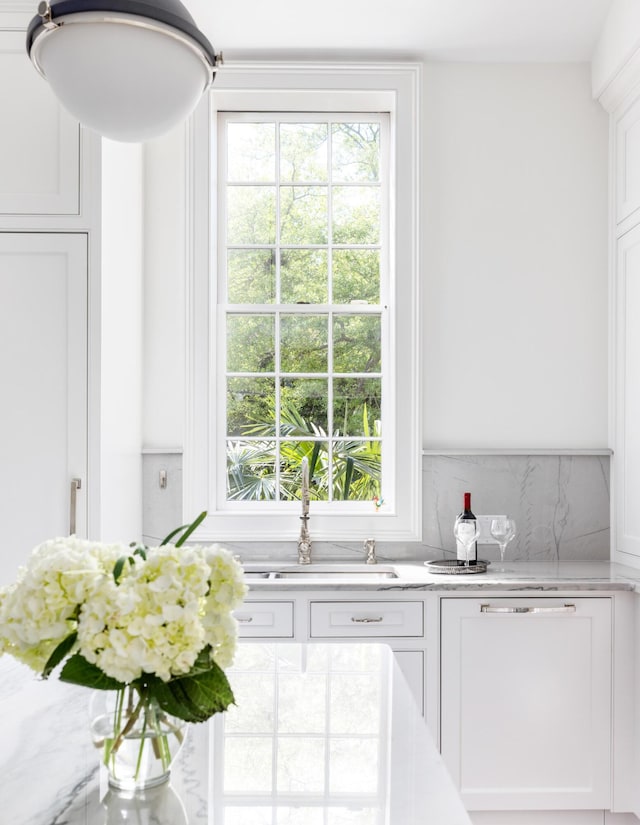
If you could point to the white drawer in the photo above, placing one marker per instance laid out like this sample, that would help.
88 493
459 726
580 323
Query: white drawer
258 620
353 619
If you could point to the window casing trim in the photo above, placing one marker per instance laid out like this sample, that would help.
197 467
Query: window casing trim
390 87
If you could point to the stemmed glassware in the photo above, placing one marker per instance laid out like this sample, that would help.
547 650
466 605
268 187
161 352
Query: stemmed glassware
466 531
503 531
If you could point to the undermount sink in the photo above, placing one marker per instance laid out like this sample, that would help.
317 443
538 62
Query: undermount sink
332 572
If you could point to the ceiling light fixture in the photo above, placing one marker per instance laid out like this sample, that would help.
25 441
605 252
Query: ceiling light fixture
129 69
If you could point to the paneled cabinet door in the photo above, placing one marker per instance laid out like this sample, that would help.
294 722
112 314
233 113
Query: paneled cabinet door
39 141
627 163
627 396
526 702
43 375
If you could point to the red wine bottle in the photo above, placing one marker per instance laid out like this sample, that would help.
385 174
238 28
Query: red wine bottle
460 548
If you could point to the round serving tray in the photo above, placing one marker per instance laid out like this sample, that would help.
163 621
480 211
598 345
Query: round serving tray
451 567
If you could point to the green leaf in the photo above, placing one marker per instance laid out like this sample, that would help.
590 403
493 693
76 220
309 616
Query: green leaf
58 654
118 567
348 475
188 528
78 671
195 697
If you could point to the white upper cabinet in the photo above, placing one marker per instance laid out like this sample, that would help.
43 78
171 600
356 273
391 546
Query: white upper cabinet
627 164
39 141
627 396
43 375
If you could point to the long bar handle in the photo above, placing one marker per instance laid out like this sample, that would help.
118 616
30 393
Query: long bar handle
567 608
366 620
76 484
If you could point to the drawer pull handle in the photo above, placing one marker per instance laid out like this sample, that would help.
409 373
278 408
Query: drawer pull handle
367 620
567 608
244 619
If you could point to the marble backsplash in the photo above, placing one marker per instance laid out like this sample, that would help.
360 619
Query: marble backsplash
560 503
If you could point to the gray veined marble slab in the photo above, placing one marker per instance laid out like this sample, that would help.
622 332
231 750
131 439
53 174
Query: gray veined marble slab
560 502
321 733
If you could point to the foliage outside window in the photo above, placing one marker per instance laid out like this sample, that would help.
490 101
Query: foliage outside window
303 266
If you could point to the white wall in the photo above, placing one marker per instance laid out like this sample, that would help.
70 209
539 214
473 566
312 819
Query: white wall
514 227
165 266
515 257
122 319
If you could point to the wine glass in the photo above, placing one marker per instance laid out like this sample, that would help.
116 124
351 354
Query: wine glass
466 531
503 530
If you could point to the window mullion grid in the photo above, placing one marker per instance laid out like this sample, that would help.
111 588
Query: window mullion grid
330 428
278 255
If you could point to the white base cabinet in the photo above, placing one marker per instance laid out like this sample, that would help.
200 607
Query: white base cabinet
526 702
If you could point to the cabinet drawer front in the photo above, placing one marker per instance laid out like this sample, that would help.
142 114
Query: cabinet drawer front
356 619
273 620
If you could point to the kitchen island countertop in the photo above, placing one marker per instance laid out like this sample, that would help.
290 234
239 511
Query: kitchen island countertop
320 733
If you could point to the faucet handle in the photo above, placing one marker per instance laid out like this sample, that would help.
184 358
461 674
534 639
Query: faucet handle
370 550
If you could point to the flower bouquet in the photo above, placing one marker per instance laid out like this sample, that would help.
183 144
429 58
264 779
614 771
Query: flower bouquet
152 624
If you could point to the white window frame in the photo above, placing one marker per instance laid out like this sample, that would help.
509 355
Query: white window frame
323 87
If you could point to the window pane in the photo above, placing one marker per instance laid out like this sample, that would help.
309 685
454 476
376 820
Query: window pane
356 406
303 407
301 717
356 214
250 343
300 765
251 215
251 276
257 705
251 152
247 765
356 276
250 815
291 455
303 215
303 342
353 766
303 152
357 468
355 151
251 470
251 406
303 276
356 343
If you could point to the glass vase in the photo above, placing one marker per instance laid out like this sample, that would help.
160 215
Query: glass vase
138 740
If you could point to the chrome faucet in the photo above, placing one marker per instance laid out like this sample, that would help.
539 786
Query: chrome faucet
304 542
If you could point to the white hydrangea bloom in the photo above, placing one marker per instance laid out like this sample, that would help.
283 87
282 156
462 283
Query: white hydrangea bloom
163 611
150 621
40 609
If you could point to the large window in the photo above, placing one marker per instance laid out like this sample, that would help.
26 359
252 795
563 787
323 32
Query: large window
303 303
302 281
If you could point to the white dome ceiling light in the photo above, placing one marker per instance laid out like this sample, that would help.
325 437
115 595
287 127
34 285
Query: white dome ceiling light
129 69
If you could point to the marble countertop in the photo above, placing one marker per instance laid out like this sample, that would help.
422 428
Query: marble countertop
320 733
415 575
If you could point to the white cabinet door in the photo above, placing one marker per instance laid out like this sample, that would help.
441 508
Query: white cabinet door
43 376
627 163
39 141
526 702
627 397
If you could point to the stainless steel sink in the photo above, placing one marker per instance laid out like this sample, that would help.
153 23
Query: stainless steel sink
330 572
